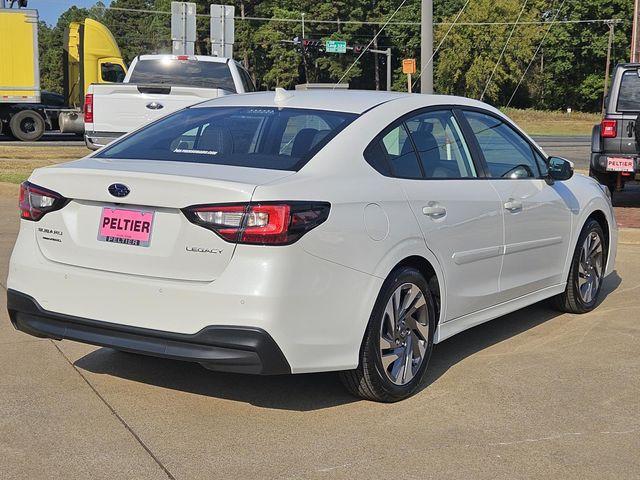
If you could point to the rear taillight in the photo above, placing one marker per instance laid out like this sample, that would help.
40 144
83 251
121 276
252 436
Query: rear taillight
269 223
88 108
36 201
608 128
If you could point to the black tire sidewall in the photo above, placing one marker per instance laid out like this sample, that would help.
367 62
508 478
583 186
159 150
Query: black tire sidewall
15 121
397 278
591 226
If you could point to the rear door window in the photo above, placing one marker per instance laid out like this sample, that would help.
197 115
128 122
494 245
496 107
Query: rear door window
629 95
440 145
281 139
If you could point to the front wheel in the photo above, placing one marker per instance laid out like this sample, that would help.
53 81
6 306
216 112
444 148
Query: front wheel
398 341
587 271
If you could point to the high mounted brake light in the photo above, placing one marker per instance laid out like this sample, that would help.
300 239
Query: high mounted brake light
35 201
608 128
269 223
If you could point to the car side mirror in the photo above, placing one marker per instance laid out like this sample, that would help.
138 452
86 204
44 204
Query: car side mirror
560 169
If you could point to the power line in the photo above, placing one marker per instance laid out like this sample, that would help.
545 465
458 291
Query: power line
524 5
535 54
365 22
369 44
441 42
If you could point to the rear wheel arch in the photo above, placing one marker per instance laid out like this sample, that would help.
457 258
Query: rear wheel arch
600 217
430 274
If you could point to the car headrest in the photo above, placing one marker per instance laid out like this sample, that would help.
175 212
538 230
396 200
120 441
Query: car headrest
216 138
303 142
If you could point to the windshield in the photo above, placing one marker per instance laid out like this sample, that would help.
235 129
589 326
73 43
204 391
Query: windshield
186 73
629 95
258 137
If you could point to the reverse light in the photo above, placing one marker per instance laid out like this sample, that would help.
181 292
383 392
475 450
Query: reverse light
269 223
35 201
88 108
608 128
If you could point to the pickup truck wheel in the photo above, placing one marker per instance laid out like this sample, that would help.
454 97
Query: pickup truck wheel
398 341
27 125
587 271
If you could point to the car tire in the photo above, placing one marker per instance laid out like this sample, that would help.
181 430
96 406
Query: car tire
27 125
409 340
585 269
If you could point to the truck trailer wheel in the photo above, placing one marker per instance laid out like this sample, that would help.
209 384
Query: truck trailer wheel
27 125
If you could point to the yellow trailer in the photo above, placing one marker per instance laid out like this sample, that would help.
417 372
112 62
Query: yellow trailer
19 75
91 55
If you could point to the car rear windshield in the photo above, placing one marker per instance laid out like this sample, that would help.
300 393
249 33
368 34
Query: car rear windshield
185 73
272 138
629 96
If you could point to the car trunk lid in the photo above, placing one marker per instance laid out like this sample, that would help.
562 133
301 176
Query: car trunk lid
174 248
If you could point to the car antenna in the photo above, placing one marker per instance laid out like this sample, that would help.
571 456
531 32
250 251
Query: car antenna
282 95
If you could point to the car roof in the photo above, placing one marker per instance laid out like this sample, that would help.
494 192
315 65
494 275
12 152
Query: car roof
200 58
348 101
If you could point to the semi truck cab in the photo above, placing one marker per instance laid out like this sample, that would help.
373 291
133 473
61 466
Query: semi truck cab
91 55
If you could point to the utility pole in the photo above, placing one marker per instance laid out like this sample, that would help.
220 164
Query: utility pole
426 46
635 48
606 74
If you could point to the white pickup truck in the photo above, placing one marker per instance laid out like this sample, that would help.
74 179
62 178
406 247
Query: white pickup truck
155 86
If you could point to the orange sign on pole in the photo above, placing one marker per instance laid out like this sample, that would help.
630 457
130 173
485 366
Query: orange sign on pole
409 66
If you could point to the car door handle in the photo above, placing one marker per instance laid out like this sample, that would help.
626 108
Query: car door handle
434 211
513 205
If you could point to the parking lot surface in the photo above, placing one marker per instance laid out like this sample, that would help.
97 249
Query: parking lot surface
534 394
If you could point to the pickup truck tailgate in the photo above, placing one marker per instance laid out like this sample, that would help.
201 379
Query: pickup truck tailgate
123 108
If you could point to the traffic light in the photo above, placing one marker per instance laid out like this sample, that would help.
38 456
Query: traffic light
309 44
357 49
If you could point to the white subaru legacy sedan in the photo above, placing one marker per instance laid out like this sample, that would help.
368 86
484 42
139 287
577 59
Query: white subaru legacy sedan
294 232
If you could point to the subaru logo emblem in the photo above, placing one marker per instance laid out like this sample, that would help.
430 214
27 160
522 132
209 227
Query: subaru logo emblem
119 190
154 106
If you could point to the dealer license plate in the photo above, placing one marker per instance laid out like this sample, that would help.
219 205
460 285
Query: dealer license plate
620 164
129 227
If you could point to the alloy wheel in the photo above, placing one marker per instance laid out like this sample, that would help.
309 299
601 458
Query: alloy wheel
590 267
404 334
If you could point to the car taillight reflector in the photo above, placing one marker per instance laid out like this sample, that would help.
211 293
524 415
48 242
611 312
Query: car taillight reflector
608 128
35 201
269 223
88 108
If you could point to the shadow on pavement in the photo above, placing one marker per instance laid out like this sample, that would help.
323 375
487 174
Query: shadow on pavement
308 392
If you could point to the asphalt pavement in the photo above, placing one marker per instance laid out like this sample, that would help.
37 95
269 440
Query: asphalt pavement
576 148
534 394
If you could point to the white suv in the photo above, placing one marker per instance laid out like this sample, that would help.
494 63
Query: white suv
306 232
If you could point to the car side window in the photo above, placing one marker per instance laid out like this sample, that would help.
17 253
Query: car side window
400 154
247 82
440 145
506 153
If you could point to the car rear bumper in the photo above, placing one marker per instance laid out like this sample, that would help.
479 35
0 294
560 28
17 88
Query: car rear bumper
96 140
221 348
599 162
